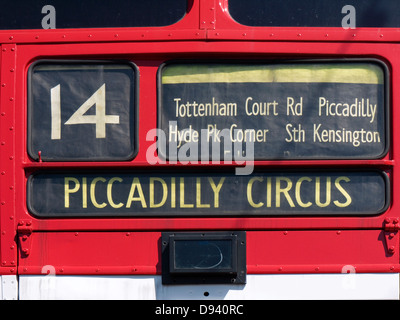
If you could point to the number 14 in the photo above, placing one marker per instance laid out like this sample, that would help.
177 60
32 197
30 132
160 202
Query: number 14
100 119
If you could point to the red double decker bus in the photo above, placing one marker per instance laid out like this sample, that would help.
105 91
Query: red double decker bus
199 149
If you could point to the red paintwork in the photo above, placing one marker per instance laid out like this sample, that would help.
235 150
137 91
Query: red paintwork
87 246
267 252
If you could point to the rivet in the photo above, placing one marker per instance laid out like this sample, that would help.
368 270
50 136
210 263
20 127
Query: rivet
285 233
3 233
11 158
392 268
12 70
317 269
280 269
76 234
128 234
4 49
11 37
3 85
116 35
338 232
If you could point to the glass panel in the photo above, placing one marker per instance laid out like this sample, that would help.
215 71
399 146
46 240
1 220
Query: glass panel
316 13
56 14
203 254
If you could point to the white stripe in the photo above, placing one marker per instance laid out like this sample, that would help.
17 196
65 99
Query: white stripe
8 287
265 287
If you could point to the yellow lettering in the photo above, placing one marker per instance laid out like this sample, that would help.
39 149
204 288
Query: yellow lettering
151 192
249 192
84 192
136 185
344 192
269 191
198 195
109 193
216 189
182 195
68 191
173 193
298 197
318 192
93 192
285 191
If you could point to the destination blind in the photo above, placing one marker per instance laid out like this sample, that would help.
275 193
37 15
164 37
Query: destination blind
82 110
285 110
100 194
